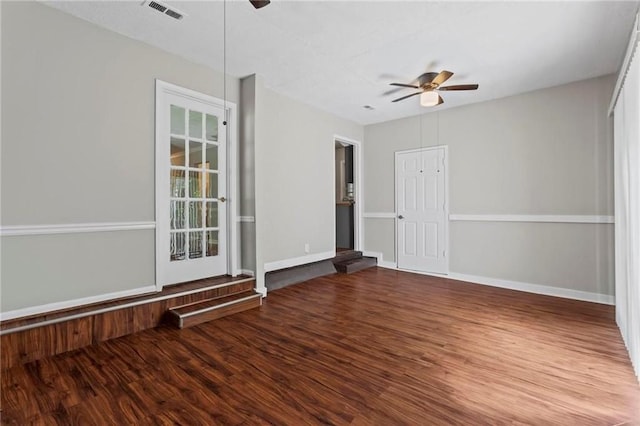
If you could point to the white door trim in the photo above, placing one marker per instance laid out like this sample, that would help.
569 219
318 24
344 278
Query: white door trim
446 198
358 229
233 243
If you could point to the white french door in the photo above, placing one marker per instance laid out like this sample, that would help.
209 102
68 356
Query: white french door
422 210
191 208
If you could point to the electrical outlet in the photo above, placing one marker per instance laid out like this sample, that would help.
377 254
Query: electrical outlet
307 249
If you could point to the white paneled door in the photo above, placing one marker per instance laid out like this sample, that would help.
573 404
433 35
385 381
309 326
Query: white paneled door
191 208
422 210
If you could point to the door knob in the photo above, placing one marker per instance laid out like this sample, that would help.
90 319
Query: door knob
222 199
400 217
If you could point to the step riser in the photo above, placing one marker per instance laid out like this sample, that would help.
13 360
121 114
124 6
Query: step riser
363 263
196 318
343 256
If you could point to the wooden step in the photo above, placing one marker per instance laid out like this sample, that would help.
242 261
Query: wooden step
346 255
211 309
36 337
356 264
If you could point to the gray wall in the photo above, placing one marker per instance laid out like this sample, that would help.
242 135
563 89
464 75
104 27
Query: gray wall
78 147
547 152
295 178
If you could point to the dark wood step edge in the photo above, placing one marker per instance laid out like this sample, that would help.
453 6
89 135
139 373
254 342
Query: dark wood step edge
181 317
118 307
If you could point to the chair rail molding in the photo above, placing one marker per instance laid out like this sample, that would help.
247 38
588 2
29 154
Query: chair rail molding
379 215
73 228
543 218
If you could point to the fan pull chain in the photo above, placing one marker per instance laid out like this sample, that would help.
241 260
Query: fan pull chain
421 146
224 59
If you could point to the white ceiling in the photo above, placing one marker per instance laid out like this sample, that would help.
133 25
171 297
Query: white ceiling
340 56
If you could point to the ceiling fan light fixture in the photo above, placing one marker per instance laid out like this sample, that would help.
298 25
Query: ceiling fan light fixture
429 98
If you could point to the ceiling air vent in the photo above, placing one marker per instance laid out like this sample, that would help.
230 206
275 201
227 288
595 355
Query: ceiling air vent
164 9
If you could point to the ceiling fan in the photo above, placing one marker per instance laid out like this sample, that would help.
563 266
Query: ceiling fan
429 85
259 3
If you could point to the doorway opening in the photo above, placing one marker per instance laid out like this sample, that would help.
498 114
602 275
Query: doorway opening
347 194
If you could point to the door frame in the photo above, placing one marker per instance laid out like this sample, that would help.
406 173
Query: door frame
162 195
358 234
446 203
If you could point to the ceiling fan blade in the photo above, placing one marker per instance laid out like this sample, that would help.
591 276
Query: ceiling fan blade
404 85
405 97
259 3
460 87
442 77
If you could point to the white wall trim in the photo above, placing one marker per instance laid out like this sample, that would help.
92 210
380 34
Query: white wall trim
247 272
56 306
73 228
296 261
634 40
536 288
564 293
381 262
246 219
379 215
531 218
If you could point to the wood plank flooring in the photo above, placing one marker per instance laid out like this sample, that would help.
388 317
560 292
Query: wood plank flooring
377 347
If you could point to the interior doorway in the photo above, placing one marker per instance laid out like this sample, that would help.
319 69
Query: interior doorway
422 208
347 194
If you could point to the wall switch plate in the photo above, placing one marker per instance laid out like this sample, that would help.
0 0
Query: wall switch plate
306 248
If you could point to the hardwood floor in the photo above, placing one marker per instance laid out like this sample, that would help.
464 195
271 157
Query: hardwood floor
377 347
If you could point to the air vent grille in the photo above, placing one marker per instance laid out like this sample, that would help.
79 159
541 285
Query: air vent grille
173 14
166 10
157 6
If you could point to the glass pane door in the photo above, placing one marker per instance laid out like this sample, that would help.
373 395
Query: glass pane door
192 224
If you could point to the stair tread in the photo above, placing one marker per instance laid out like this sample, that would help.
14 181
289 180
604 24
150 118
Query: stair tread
363 259
211 303
347 254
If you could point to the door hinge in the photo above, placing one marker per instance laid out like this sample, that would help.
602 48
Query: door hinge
444 253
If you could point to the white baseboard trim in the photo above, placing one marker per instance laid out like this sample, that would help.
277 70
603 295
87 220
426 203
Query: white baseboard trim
387 265
297 261
381 261
73 228
248 272
542 218
565 293
67 304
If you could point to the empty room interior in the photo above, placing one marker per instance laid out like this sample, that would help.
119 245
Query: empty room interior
320 212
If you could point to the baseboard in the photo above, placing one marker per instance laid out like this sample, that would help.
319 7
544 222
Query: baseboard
565 293
297 261
387 265
381 262
247 272
56 306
